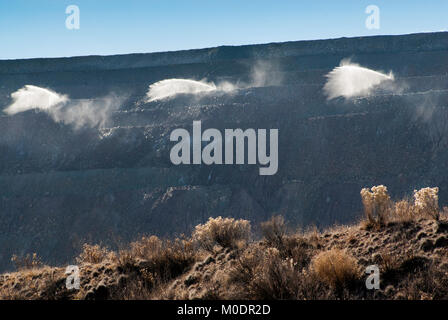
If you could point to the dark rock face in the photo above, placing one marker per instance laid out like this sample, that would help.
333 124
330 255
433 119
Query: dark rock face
60 187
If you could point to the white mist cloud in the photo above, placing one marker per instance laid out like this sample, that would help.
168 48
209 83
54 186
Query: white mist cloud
32 97
78 113
170 87
87 113
262 74
351 80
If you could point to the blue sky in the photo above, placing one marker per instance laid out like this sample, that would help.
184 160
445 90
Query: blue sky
36 28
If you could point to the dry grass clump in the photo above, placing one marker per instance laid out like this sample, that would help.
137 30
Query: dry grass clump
380 210
225 232
94 254
26 262
336 268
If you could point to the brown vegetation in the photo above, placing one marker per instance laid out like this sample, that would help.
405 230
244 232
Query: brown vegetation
380 210
337 268
407 240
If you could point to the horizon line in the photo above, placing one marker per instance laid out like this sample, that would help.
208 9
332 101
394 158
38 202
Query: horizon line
221 46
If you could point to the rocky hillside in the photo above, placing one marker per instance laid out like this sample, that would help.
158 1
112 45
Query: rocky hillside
61 187
220 261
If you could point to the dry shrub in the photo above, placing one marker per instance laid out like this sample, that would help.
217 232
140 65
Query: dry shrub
133 288
376 203
265 275
26 262
150 263
336 268
311 288
94 254
396 268
247 263
403 211
171 259
298 250
425 205
126 260
289 247
262 273
225 232
160 260
9 293
430 284
389 262
147 247
54 287
379 209
444 212
274 231
427 202
312 235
